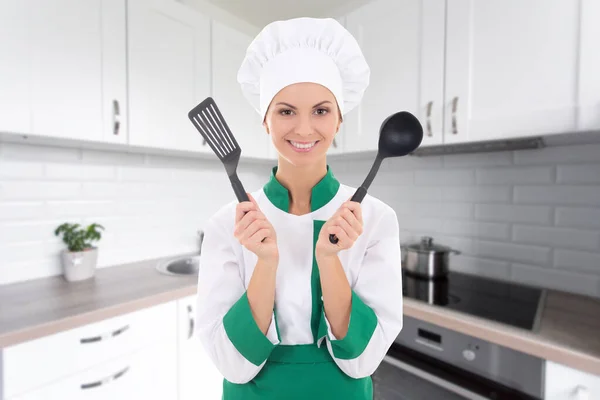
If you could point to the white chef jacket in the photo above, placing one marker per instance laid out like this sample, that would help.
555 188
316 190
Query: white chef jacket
372 265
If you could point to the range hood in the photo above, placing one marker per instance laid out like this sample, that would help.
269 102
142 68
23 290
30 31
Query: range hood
481 146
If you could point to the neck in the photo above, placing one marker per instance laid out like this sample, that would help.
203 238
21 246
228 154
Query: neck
300 180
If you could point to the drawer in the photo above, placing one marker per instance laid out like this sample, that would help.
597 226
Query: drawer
38 362
148 373
566 383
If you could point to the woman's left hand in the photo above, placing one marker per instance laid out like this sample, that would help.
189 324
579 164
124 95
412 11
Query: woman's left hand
346 224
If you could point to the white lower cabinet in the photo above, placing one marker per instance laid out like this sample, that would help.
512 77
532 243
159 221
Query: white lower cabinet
42 361
149 373
198 378
133 355
157 356
566 383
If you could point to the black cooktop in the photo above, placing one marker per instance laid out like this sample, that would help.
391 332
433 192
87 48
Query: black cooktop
501 301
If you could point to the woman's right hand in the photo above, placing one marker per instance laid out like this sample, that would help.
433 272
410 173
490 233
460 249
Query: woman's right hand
251 227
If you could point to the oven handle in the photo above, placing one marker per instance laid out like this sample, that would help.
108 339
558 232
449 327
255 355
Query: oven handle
434 379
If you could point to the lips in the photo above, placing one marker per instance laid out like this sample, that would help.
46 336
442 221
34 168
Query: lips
302 147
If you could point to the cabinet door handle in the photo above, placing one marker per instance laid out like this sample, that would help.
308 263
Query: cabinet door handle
581 393
454 107
104 336
334 143
116 117
191 322
429 107
104 381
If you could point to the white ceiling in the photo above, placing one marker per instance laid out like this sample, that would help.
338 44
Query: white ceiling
261 12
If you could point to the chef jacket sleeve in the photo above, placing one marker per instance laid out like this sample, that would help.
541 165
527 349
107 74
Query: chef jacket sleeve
224 321
376 313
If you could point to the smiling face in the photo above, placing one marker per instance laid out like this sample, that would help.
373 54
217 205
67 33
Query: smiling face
302 120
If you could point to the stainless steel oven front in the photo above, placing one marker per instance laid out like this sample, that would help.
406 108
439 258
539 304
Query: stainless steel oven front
428 362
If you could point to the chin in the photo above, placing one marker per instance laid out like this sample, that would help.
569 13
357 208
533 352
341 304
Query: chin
301 159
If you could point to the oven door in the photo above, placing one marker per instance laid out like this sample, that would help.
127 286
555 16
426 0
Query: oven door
406 374
397 380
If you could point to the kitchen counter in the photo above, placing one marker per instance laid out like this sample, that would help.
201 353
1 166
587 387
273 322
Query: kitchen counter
40 307
567 334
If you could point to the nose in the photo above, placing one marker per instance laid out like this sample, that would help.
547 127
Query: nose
304 127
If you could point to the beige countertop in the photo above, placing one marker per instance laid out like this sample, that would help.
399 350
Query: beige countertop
40 307
567 334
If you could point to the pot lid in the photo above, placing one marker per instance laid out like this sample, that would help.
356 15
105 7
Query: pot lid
427 245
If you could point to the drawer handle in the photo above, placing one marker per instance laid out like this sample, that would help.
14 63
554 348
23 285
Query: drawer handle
116 117
454 108
191 321
581 393
106 380
105 336
429 106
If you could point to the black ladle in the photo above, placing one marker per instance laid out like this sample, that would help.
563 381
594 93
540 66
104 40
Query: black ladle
400 134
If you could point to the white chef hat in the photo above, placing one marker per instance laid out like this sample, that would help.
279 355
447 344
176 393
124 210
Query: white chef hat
318 50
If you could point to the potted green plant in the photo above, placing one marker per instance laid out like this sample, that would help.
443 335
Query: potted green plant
80 257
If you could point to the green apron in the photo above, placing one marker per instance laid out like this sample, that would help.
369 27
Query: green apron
300 372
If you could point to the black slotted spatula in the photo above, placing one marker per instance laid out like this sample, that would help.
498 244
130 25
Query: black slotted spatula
209 121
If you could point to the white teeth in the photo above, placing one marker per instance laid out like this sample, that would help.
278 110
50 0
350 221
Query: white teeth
303 146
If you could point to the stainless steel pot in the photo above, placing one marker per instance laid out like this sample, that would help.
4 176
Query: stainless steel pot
426 259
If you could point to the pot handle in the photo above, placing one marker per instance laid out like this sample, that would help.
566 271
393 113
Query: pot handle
454 251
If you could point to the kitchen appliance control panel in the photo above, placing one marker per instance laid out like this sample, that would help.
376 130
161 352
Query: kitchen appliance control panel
478 356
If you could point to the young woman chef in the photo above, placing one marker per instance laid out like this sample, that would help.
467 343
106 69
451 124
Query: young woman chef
295 316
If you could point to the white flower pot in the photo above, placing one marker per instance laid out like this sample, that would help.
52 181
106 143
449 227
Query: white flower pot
79 265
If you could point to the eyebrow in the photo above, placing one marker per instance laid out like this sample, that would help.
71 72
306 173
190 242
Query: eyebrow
294 108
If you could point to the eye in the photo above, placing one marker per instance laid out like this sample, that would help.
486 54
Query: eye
285 111
322 111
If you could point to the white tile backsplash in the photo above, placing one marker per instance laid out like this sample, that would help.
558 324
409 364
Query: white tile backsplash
528 216
579 154
479 159
481 266
557 279
579 174
578 217
556 237
513 175
559 195
485 230
150 205
514 213
444 177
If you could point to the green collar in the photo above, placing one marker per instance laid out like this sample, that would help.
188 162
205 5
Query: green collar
322 192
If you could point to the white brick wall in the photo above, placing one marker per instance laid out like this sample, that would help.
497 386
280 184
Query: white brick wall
529 216
151 206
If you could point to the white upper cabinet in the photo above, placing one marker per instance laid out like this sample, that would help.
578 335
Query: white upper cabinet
403 43
65 72
589 67
228 50
14 67
169 73
511 68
